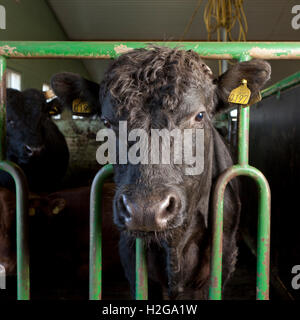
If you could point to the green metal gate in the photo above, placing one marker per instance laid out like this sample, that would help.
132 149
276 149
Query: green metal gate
241 51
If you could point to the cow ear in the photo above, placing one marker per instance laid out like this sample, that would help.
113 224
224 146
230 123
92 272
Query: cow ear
257 72
54 107
70 87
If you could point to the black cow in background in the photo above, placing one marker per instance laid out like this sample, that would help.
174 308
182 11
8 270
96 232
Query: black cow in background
165 88
34 141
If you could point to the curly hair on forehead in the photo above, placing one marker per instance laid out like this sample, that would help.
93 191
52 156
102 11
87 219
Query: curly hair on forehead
157 76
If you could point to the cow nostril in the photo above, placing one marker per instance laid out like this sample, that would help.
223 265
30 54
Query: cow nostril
28 150
172 203
125 207
167 210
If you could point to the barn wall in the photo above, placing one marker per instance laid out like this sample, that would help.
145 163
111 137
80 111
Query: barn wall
81 139
34 20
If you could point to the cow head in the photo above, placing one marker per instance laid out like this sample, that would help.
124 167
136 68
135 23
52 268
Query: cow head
164 88
27 112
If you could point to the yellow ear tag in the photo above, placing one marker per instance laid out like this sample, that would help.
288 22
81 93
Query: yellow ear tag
56 210
53 111
31 212
256 98
241 94
79 106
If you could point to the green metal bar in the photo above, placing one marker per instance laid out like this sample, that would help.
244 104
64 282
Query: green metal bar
264 209
281 85
209 50
2 107
263 237
141 274
95 267
243 134
23 281
112 49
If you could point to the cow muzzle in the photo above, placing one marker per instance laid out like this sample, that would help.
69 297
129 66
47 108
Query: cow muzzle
158 211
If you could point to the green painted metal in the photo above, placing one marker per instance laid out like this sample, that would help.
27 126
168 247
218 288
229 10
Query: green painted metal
263 238
264 210
243 136
282 85
112 49
23 282
95 266
108 50
141 274
2 107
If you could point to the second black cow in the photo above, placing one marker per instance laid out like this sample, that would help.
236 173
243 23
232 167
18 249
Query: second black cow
33 141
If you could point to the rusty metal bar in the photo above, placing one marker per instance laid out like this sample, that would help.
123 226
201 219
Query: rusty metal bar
264 209
263 235
112 49
208 50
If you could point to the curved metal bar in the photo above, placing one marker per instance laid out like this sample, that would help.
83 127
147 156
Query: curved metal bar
95 264
263 234
23 281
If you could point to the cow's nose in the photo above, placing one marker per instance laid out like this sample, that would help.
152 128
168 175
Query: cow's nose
32 151
166 209
151 214
126 209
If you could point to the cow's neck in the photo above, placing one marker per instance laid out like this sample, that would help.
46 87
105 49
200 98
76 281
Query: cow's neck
188 255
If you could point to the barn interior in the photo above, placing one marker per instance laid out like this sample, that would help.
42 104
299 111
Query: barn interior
274 134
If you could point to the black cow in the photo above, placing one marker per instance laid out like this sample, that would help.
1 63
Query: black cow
163 88
34 141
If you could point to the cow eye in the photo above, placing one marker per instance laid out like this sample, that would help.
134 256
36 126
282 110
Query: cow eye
199 116
106 122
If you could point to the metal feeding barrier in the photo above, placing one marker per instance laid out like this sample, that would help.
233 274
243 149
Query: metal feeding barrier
241 51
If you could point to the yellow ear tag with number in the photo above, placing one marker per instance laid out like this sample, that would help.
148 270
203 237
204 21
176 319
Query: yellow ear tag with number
79 106
256 98
241 94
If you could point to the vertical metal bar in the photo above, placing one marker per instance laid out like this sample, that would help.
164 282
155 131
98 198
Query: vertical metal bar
224 63
263 233
23 282
95 264
2 106
141 274
243 144
263 240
